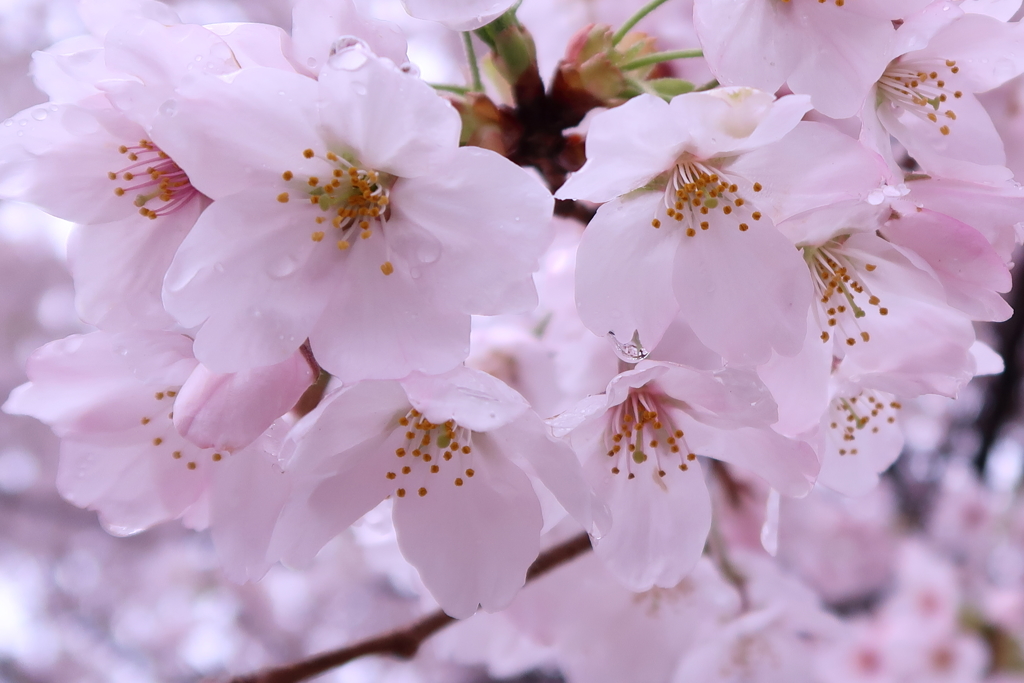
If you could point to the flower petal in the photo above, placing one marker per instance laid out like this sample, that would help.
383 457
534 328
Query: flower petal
472 544
624 271
493 222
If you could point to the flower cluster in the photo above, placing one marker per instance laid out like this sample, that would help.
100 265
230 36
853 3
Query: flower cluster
321 284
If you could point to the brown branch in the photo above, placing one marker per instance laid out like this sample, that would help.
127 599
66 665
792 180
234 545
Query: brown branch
405 642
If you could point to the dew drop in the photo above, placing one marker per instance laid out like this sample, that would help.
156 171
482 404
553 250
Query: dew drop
9 122
410 68
632 351
311 63
348 53
169 108
39 114
284 267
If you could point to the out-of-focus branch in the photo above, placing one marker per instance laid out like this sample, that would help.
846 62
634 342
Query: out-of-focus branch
1003 393
405 642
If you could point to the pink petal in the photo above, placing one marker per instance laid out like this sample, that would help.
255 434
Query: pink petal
971 145
119 267
393 122
159 57
744 293
70 146
379 326
555 465
626 147
252 277
472 544
248 492
788 465
316 24
814 165
242 133
968 267
492 220
624 269
659 524
228 411
728 30
474 399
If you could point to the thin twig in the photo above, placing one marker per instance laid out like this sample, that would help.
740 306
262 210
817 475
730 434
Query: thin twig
405 642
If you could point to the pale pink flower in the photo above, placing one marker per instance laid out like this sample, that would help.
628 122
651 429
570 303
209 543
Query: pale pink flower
458 15
778 637
844 548
601 632
926 96
110 397
713 170
639 443
459 454
832 51
345 212
861 439
881 308
90 158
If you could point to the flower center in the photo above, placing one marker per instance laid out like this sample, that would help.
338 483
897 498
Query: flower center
154 177
641 434
851 415
350 201
428 449
695 190
920 88
164 438
842 299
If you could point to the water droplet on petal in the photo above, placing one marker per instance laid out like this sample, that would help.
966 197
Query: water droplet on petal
9 122
284 267
410 68
632 351
39 114
169 108
311 63
348 53
359 89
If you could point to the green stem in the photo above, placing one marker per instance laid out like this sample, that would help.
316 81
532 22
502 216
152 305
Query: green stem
457 89
659 57
635 19
474 68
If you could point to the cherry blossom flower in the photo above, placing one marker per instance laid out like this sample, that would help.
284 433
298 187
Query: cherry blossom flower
832 51
98 152
111 398
332 220
639 443
873 297
453 452
925 97
861 440
698 237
